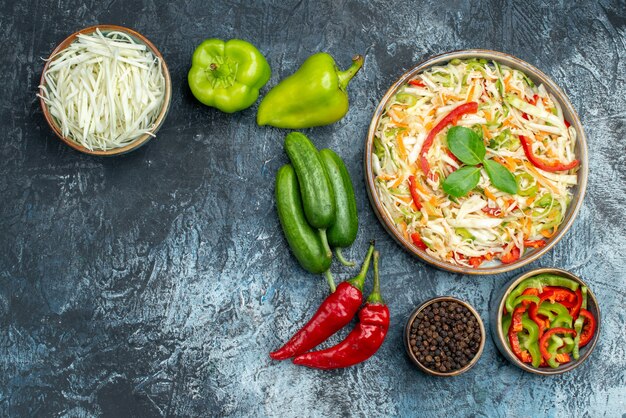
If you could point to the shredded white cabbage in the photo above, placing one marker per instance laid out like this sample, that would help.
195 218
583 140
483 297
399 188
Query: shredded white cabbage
104 90
487 224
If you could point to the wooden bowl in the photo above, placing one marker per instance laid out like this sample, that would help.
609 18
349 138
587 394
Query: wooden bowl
501 341
140 140
568 111
407 334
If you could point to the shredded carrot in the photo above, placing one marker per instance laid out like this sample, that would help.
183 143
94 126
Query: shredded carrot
530 200
401 147
386 177
404 231
433 201
541 178
397 119
549 234
398 182
490 195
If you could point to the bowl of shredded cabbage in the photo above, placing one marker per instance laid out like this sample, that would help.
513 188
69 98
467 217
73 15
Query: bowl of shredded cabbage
105 90
476 162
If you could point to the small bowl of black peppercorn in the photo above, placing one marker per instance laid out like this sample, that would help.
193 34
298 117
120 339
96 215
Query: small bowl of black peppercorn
444 336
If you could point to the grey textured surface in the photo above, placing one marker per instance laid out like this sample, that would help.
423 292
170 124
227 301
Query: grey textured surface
156 283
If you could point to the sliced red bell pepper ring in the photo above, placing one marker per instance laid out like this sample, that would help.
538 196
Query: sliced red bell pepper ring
589 328
414 195
417 83
535 243
543 341
450 118
576 308
511 256
417 241
544 165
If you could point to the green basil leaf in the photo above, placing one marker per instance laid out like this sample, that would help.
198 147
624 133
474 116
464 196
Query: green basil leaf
466 145
500 177
459 183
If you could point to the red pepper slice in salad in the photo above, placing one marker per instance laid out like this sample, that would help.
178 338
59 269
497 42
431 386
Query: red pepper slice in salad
417 83
511 256
543 341
414 195
551 166
575 309
535 243
450 118
417 241
589 327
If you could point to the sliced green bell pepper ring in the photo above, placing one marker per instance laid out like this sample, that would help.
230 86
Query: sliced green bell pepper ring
555 343
540 281
506 324
568 345
549 353
227 75
578 327
315 95
526 298
563 318
532 343
529 181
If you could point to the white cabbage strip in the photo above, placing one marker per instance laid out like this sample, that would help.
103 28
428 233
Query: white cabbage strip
104 90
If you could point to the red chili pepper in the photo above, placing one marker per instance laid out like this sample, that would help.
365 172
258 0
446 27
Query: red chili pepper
543 341
511 256
575 309
589 327
551 166
493 212
417 241
364 340
535 244
414 195
450 118
417 83
336 311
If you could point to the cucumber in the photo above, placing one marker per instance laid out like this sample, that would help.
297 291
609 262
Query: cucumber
343 232
318 199
305 242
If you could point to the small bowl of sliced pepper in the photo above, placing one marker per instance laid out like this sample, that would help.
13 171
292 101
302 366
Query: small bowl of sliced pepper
546 321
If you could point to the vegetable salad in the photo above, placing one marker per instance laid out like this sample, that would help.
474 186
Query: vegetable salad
478 214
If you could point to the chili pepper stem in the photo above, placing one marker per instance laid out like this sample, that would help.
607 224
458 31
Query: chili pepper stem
330 280
342 259
345 76
359 280
324 238
375 296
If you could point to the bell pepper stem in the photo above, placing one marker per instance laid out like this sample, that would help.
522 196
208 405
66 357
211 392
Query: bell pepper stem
330 280
324 239
375 296
359 280
342 259
345 76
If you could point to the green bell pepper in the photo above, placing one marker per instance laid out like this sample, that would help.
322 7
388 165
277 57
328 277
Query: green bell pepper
539 281
227 75
315 95
532 342
555 343
563 317
526 184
